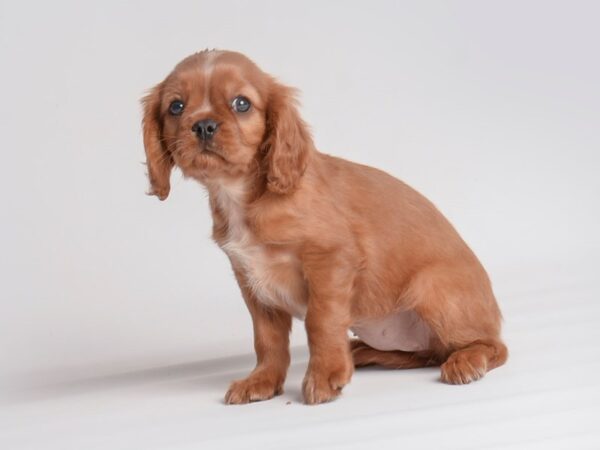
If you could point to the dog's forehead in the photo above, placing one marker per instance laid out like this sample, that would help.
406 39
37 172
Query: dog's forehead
216 66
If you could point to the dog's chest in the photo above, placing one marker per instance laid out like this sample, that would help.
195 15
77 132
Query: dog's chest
273 275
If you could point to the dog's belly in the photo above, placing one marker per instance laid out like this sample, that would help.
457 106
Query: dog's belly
403 330
276 281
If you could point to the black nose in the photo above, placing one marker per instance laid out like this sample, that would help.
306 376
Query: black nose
205 129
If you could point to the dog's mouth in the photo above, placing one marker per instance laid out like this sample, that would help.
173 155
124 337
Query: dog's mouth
211 149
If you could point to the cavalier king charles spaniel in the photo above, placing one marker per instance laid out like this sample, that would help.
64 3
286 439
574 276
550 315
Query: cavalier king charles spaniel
342 246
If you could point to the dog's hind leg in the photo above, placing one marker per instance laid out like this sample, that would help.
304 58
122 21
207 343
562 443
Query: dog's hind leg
364 355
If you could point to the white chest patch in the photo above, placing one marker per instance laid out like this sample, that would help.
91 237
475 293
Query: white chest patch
273 275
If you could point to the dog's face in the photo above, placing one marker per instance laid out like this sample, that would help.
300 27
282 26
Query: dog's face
216 116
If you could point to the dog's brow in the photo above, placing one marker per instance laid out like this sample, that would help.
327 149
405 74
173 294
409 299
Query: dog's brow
207 72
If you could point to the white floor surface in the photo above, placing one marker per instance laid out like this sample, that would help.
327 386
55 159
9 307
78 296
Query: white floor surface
546 397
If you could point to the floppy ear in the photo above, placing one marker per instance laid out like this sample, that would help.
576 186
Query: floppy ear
287 141
158 160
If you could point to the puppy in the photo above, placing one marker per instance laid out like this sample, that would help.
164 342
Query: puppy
338 244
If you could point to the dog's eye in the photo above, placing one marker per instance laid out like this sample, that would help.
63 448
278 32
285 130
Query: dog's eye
176 107
240 104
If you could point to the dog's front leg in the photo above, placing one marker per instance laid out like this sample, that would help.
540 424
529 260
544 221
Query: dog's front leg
271 343
327 320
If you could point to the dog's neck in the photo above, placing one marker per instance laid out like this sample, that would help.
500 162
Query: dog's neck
229 199
229 190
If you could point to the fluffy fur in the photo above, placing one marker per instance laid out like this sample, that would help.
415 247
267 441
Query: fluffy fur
338 244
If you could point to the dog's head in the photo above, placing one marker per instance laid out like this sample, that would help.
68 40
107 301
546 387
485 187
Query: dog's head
216 116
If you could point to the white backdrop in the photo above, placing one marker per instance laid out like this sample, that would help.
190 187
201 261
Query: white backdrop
489 109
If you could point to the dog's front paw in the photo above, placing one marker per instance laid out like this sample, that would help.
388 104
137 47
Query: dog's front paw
322 385
257 387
